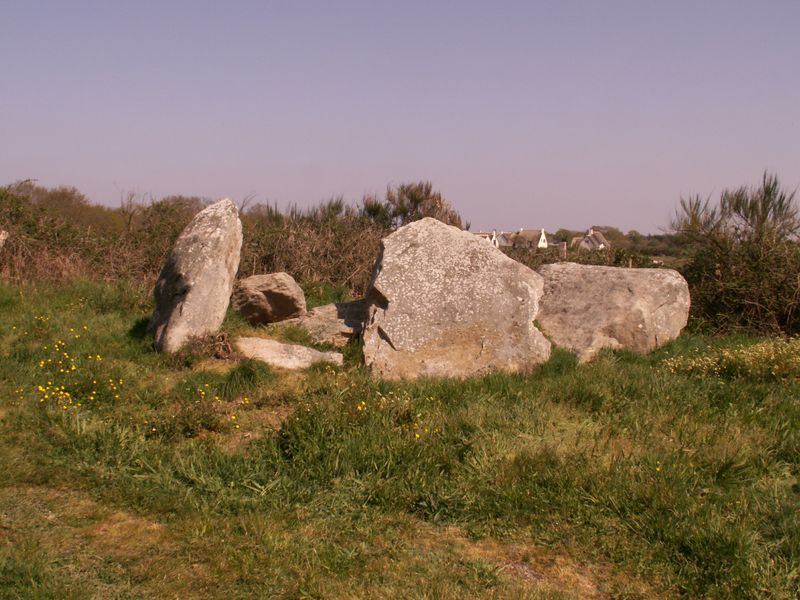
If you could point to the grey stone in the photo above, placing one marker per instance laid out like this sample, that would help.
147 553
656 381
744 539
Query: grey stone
586 308
335 323
444 303
194 288
287 356
263 299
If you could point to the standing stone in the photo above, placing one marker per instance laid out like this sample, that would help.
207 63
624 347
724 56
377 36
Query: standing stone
3 237
444 303
263 299
587 308
194 288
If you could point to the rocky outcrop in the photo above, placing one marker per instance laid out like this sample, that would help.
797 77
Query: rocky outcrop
334 324
263 299
444 303
587 308
194 288
287 356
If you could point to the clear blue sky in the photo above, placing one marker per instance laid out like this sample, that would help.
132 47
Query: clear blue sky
554 114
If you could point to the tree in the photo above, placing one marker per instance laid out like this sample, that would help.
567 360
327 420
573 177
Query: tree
566 235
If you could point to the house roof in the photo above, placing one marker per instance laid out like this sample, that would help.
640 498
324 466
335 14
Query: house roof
593 240
521 237
528 237
598 239
528 234
504 239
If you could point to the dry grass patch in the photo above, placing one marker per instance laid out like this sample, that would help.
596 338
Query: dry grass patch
99 552
123 536
523 569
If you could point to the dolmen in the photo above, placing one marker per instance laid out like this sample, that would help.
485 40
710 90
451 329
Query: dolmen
441 302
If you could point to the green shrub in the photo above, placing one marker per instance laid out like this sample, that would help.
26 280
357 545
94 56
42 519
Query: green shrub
744 267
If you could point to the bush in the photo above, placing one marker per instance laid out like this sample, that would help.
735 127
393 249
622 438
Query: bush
410 202
57 235
617 257
744 265
330 245
335 243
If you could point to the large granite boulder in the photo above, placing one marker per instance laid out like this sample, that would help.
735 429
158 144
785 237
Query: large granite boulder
334 324
445 303
587 308
287 356
263 299
194 288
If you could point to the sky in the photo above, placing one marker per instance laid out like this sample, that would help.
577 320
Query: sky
523 114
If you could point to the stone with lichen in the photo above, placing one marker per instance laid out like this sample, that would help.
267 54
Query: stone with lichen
444 303
194 288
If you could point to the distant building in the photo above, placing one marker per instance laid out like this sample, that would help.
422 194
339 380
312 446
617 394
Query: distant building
530 238
495 238
593 240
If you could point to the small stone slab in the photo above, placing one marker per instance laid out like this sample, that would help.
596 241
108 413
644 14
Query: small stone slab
287 356
334 324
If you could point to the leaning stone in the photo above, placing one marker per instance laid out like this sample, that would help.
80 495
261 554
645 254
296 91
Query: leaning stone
263 299
334 324
194 288
444 303
287 356
587 308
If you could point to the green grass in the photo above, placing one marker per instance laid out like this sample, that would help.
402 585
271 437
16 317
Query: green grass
159 477
320 293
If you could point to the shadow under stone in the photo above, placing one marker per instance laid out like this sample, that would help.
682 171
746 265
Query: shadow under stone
139 329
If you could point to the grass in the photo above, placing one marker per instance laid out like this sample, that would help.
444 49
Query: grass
145 476
320 293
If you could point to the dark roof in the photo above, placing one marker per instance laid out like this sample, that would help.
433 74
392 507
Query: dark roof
505 239
593 240
599 240
528 237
